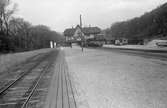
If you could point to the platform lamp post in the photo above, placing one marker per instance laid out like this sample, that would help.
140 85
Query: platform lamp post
82 41
81 35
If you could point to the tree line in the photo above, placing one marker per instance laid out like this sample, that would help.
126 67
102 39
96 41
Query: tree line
16 34
150 25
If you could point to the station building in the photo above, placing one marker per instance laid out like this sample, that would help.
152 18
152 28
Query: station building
78 33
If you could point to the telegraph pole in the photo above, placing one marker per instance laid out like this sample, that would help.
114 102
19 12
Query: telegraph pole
82 37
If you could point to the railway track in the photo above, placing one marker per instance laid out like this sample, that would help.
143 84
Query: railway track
35 86
65 97
19 71
19 93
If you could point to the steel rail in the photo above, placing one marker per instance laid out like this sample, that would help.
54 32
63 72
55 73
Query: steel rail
35 85
67 88
70 84
5 88
20 77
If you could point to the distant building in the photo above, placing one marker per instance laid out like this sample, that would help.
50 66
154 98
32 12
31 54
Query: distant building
121 41
77 33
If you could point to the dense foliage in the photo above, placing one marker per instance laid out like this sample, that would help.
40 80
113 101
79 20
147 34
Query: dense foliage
150 25
16 34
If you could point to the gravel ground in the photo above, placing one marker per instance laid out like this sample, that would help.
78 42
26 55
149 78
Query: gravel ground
111 80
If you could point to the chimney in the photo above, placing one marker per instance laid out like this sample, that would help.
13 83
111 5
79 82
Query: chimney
81 21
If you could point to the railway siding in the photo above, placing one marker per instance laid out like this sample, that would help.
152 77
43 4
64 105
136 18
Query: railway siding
61 93
46 83
37 76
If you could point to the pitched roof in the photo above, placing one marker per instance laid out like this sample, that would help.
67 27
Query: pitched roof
85 30
91 30
69 32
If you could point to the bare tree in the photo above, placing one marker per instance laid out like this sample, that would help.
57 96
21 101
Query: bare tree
7 9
